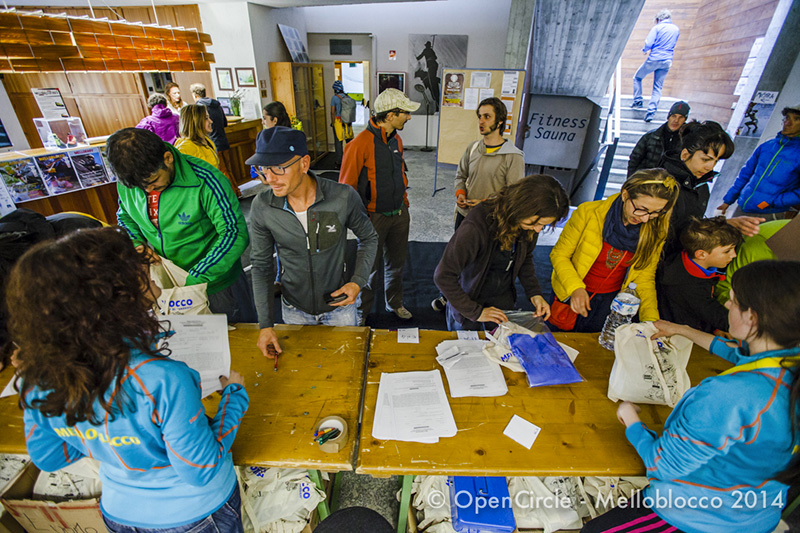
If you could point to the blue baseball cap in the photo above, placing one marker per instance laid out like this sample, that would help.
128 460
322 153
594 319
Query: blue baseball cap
278 145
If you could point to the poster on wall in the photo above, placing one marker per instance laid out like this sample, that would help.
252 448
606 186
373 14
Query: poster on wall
22 180
557 127
391 80
50 103
758 113
297 49
427 55
58 173
89 167
453 90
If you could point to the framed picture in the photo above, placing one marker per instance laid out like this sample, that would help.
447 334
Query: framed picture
225 79
246 77
391 80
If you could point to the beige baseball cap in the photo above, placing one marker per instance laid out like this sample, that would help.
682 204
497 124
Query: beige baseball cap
393 99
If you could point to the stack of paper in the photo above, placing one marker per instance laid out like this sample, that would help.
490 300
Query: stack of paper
412 406
469 372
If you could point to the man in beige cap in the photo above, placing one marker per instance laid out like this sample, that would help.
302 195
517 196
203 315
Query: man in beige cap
373 165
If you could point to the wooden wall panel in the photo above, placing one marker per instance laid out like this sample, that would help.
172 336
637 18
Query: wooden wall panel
716 38
105 83
104 116
185 79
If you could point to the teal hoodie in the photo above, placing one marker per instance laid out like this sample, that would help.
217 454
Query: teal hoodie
201 226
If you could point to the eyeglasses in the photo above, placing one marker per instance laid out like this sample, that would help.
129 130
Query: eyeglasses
640 212
277 170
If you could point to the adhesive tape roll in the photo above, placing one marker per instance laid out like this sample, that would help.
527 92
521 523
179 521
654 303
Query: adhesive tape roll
335 422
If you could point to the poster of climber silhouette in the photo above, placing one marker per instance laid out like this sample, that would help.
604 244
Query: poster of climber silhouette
427 56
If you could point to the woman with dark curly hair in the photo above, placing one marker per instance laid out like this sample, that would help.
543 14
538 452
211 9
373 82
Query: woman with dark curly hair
493 247
94 384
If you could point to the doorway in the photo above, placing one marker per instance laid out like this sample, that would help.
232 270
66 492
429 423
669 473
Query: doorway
354 75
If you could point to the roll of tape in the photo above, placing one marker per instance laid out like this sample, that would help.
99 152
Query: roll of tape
336 422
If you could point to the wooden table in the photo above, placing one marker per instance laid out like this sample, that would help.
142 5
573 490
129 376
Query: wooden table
320 373
580 431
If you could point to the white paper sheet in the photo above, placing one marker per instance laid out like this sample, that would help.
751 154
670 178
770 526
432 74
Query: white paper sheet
471 98
408 336
201 341
480 79
522 431
412 406
9 390
474 375
486 93
510 82
469 335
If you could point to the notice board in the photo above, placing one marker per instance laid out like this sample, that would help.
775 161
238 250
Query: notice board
462 90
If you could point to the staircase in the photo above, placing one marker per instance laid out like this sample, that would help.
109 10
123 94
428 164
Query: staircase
633 127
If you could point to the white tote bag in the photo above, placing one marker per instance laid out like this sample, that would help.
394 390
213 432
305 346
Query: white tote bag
176 298
648 371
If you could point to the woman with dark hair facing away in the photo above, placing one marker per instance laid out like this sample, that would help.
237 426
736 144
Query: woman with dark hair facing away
174 101
493 247
194 141
703 144
727 455
93 383
274 114
161 120
606 245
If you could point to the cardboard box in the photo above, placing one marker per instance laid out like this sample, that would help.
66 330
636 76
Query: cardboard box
35 516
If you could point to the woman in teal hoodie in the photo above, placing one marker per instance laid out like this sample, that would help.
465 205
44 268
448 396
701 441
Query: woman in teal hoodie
94 384
728 452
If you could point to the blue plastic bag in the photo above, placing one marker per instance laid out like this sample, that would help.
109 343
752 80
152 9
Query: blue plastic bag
544 361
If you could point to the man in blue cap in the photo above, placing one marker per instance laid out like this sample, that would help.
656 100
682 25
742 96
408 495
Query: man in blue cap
306 219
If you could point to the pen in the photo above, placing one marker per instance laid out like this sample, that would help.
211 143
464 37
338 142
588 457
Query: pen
328 436
275 368
322 432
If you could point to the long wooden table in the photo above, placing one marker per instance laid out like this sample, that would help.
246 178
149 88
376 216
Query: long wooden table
320 373
580 431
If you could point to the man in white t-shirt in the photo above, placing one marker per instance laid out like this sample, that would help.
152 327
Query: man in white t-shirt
306 219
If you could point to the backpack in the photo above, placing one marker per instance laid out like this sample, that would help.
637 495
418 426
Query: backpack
348 112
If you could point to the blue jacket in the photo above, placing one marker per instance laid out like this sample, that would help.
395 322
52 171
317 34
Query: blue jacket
721 445
770 180
661 41
162 454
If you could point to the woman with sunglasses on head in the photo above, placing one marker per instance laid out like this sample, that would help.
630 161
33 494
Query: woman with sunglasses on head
608 244
728 452
93 383
493 247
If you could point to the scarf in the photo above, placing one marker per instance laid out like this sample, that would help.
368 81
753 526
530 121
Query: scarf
616 233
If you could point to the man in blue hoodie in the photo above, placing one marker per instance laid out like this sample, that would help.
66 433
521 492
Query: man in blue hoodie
769 183
660 42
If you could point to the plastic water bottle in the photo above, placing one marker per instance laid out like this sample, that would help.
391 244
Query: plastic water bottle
623 309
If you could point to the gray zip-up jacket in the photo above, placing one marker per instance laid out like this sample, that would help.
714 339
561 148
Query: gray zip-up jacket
312 264
481 175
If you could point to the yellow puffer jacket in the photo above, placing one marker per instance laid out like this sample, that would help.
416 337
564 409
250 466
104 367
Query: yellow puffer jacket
578 247
188 147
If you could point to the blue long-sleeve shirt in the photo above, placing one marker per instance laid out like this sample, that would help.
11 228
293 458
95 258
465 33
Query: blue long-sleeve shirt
661 40
161 455
721 445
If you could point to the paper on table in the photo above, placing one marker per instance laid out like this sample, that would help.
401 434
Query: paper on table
201 341
468 335
522 431
474 375
9 390
412 406
408 335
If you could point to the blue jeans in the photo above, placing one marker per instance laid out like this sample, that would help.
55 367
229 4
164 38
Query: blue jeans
659 70
341 316
226 519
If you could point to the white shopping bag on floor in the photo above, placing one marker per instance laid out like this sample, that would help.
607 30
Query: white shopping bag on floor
648 371
277 500
605 493
537 502
176 298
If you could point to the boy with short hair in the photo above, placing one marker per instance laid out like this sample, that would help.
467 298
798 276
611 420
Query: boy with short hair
686 283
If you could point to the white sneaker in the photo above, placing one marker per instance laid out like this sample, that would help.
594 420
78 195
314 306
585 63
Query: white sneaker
402 312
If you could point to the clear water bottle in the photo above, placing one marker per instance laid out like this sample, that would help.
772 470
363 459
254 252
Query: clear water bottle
623 309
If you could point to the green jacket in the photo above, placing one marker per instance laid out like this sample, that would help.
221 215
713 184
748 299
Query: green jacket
201 226
752 249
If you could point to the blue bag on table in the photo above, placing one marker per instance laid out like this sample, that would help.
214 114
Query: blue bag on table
544 361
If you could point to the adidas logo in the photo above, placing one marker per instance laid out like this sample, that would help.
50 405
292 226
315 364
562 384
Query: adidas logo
184 219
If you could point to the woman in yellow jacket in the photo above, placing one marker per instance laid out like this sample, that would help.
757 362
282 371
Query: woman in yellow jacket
608 244
194 139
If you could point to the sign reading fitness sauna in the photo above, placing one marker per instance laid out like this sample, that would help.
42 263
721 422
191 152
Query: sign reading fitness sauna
556 129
